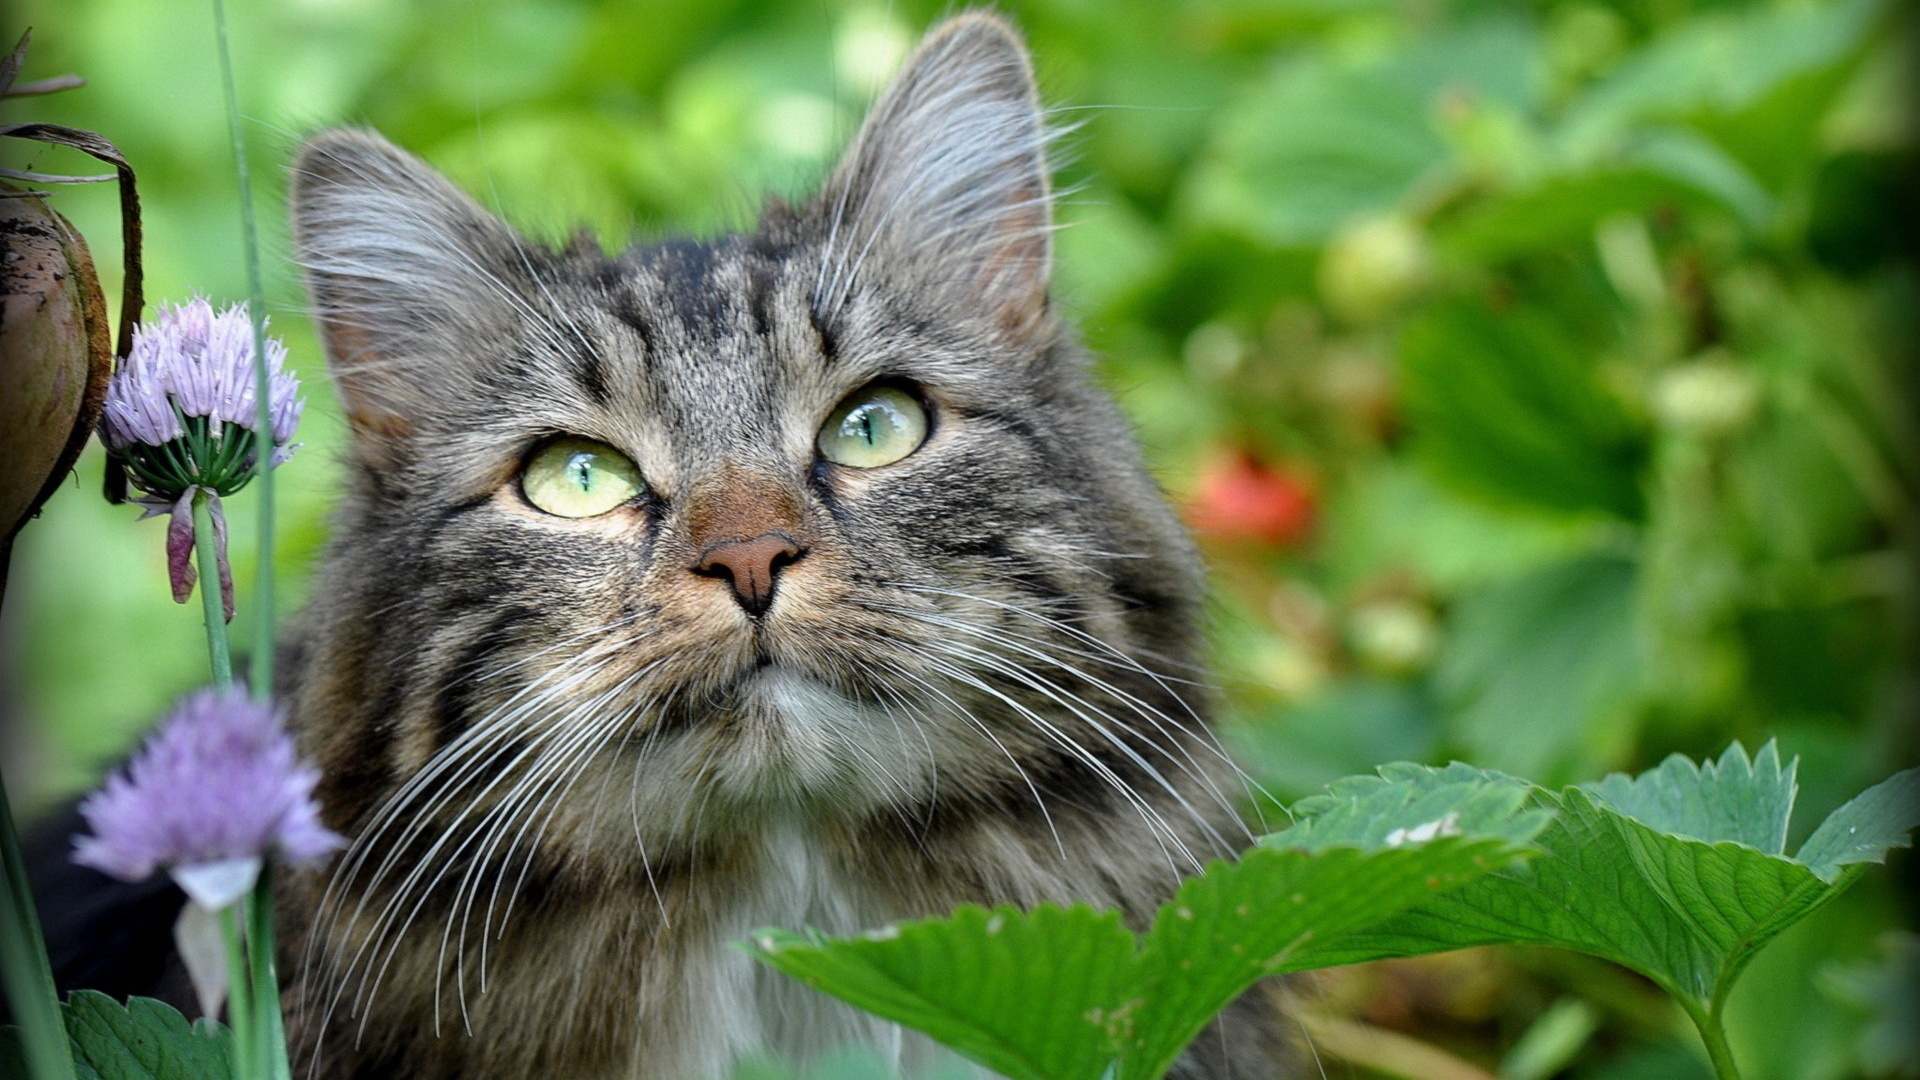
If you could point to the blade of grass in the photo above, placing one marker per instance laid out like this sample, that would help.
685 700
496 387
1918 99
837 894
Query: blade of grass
23 964
260 671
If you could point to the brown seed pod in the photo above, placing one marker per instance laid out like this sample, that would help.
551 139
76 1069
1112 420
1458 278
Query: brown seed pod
56 353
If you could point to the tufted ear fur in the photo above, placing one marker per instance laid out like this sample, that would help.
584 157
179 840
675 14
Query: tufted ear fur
945 187
405 274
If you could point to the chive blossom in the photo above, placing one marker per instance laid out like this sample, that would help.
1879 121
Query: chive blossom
215 791
181 418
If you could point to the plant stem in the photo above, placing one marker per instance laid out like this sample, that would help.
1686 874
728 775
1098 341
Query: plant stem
270 1033
207 552
23 964
260 672
1714 1034
239 998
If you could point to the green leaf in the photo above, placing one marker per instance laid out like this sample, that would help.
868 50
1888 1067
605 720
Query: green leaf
1719 65
1541 666
1269 914
142 1040
1676 873
1062 994
1392 808
1023 993
1875 822
1506 405
1747 802
1322 140
1693 161
1562 209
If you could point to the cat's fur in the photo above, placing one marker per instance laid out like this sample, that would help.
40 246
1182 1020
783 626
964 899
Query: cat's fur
574 770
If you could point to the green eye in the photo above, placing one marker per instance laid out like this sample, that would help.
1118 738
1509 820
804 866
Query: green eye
576 478
875 426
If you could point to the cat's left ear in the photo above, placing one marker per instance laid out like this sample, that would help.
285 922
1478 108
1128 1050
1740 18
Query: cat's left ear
945 191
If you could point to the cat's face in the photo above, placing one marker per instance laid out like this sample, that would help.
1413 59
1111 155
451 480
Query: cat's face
826 515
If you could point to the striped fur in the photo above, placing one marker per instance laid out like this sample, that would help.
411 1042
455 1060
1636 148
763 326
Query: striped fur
572 769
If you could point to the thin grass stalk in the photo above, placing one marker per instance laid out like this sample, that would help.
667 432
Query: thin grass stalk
260 670
24 969
270 1032
239 997
267 1039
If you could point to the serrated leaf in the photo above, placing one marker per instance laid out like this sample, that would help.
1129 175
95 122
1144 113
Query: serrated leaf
1615 880
1747 802
1266 915
1675 873
1411 802
1061 994
1023 993
1874 822
143 1040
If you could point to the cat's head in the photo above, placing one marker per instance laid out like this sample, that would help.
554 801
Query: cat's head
827 514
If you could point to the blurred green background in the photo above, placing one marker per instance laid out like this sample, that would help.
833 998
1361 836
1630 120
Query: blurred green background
1539 376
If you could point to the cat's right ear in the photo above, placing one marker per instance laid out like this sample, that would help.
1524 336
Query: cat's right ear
396 261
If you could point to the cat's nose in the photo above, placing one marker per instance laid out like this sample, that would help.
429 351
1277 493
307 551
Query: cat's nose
751 567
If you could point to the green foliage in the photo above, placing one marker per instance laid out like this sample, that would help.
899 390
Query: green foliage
1065 994
142 1040
1507 405
1013 991
1679 873
1323 138
1556 646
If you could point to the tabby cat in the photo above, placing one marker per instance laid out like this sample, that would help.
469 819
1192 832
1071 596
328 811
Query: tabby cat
799 577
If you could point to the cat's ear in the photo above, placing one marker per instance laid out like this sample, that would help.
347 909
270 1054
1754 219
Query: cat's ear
398 264
945 188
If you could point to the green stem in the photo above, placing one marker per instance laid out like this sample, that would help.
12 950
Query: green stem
260 673
207 553
239 1000
1713 1033
23 964
270 1033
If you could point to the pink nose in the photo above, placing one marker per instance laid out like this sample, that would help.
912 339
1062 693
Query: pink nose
750 566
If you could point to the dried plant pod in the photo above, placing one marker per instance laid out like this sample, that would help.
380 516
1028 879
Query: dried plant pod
56 349
56 352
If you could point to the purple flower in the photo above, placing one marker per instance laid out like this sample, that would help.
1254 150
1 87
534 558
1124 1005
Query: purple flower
180 419
218 788
190 364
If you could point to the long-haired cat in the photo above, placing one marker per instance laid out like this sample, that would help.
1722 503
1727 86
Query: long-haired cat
794 577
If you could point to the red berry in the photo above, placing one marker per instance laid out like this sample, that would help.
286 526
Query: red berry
1240 500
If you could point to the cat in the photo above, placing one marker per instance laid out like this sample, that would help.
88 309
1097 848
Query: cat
795 577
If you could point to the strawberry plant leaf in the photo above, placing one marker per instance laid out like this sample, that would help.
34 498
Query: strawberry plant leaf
1069 994
1022 993
1747 802
1677 873
141 1040
1404 801
1265 915
1875 822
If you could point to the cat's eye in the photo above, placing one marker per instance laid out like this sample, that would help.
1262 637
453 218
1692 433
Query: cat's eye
579 478
875 426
